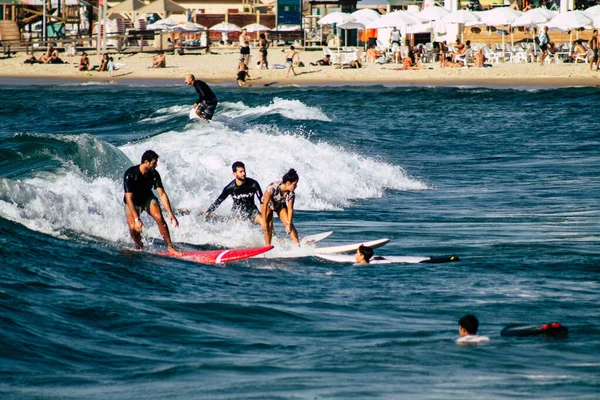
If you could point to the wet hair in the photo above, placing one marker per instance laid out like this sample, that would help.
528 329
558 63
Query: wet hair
366 251
149 156
236 165
290 176
469 323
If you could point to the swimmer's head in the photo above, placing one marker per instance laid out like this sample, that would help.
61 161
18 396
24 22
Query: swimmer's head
468 325
363 254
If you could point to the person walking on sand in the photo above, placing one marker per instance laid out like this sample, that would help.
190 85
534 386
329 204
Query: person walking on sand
207 102
138 183
289 59
111 68
279 197
593 45
544 41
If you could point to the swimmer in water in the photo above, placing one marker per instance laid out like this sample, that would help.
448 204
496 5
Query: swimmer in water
467 329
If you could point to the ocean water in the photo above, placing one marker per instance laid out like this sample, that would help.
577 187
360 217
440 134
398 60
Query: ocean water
507 179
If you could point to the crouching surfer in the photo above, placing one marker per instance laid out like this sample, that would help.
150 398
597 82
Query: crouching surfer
242 190
138 183
279 197
207 101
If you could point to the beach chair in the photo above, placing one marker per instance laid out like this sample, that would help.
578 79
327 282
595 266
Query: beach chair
491 55
464 57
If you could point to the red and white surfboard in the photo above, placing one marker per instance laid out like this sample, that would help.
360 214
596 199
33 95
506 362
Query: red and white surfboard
220 256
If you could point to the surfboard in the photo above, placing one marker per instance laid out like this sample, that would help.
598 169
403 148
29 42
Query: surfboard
523 330
317 237
309 251
194 116
349 258
219 256
347 248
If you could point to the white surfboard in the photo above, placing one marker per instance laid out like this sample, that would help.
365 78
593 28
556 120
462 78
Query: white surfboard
349 258
347 248
317 237
310 251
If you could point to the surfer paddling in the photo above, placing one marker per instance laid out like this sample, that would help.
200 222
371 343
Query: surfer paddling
206 104
363 254
279 197
242 190
138 183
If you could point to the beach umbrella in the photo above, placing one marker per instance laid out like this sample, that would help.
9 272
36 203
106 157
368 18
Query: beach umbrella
335 18
501 16
225 27
461 17
193 27
256 28
434 13
570 20
592 11
396 19
535 17
161 24
350 25
365 16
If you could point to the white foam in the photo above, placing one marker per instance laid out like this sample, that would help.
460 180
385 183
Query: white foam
292 109
195 164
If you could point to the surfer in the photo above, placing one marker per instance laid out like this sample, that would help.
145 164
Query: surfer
363 254
279 197
242 190
138 183
207 101
467 329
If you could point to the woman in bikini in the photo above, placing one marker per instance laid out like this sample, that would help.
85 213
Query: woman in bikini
279 197
263 45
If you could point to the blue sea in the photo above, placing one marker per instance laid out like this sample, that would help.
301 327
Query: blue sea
508 179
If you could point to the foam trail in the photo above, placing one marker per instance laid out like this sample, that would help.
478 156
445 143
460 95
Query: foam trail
291 109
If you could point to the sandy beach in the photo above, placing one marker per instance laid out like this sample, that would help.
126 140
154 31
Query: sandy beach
220 67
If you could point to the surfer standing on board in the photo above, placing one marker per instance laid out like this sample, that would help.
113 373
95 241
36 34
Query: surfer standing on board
206 104
138 183
279 197
242 190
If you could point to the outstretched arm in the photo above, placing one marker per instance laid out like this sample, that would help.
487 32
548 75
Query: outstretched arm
164 199
218 201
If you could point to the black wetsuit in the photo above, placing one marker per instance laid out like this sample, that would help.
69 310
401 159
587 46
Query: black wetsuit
141 185
207 101
243 198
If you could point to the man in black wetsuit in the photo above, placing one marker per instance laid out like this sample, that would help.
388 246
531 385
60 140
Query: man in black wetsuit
138 183
242 190
207 101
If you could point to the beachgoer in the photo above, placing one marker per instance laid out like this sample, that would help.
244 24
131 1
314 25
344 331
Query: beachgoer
103 63
32 60
443 49
263 45
410 62
289 59
593 45
480 59
245 45
111 67
242 72
279 197
515 5
467 329
242 190
395 37
363 254
579 50
324 61
84 62
138 183
373 54
50 56
206 104
351 65
159 60
544 40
